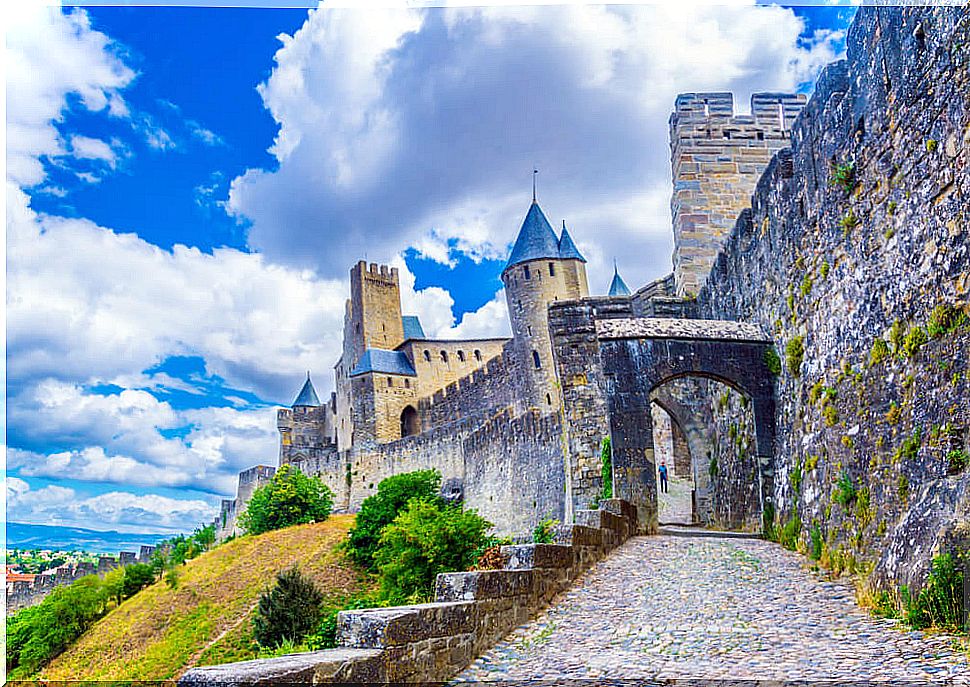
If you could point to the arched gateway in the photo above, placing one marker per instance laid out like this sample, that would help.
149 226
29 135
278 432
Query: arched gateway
609 369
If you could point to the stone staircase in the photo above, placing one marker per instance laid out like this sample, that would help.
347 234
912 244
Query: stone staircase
472 610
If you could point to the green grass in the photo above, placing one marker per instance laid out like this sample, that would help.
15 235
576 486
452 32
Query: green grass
160 632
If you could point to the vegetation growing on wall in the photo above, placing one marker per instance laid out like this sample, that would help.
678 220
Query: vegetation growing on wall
606 460
290 498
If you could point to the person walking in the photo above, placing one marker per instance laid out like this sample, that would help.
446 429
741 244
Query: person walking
663 476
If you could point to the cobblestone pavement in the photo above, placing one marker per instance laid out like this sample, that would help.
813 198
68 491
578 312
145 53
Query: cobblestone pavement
668 607
675 506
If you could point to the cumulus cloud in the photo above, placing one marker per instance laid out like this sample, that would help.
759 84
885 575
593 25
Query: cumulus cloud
51 54
119 510
419 127
131 437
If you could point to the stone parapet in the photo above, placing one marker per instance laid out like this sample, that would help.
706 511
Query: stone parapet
433 642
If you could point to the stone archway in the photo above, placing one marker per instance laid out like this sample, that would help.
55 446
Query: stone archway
410 422
611 367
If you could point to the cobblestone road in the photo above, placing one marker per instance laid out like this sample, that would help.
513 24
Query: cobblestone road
669 607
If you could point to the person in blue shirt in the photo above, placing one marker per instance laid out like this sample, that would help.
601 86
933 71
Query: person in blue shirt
663 476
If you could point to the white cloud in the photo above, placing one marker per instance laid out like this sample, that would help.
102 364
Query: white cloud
87 148
51 54
491 320
118 510
207 136
409 128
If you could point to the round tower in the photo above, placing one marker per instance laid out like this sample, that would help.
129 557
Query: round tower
542 268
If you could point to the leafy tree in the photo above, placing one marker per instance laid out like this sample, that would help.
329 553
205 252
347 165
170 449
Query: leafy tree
137 577
427 538
289 611
114 585
291 498
379 510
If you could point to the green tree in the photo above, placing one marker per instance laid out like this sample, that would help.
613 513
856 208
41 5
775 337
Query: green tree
289 611
137 577
427 538
379 510
114 585
290 498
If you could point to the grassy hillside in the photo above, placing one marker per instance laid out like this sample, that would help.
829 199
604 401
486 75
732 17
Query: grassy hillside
160 632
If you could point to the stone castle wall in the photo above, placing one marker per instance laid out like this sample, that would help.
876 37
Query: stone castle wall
829 268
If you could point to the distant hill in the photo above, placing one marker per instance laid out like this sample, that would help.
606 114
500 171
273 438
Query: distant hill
161 632
25 536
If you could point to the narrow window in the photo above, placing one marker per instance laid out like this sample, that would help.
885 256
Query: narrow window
552 270
390 381
548 400
518 306
427 356
530 329
478 355
526 273
444 356
461 356
535 359
407 383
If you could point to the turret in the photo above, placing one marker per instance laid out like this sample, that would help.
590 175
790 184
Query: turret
618 287
542 268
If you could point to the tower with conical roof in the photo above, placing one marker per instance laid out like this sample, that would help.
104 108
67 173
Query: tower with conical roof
305 427
542 268
618 287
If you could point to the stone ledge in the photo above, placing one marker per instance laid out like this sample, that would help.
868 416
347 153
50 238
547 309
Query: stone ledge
433 642
333 665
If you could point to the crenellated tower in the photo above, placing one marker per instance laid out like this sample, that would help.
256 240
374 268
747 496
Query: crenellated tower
542 268
716 159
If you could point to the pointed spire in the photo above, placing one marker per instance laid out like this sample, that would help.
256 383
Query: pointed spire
536 239
568 249
308 395
618 287
535 172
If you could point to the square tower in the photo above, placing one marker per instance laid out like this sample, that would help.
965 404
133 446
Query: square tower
716 159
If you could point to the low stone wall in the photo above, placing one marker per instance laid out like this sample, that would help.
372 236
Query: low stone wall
472 610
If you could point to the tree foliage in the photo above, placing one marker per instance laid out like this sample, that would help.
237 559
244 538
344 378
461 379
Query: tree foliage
428 537
380 509
289 611
290 498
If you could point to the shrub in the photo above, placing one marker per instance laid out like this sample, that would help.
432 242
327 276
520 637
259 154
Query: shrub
845 491
824 270
940 601
831 415
427 538
794 354
796 476
909 449
849 222
815 553
788 536
290 498
879 352
957 461
37 634
288 611
545 532
772 361
892 415
137 577
843 176
606 468
806 287
379 510
914 341
945 319
768 521
896 335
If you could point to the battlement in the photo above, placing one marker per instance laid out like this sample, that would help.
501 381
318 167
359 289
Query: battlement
767 108
256 473
375 272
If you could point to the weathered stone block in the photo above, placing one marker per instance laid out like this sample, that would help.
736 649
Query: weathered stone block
373 628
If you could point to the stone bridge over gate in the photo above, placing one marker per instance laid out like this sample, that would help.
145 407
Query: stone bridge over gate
610 365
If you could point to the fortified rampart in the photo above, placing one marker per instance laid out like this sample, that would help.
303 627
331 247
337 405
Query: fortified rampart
22 593
854 237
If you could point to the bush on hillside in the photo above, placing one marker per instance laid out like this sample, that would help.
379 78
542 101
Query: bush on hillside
137 577
289 611
37 634
290 498
428 537
379 510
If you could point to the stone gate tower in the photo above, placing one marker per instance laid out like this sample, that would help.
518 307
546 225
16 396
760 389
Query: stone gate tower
716 159
541 269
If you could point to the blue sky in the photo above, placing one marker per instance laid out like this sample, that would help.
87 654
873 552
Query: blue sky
187 191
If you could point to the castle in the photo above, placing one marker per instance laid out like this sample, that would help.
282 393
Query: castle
487 413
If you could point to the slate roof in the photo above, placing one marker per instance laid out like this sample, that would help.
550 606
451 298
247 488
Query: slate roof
412 327
618 287
536 239
568 249
388 362
307 395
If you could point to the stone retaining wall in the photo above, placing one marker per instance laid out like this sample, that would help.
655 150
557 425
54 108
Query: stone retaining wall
472 610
